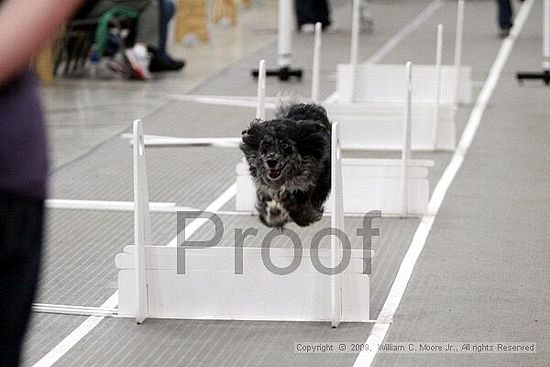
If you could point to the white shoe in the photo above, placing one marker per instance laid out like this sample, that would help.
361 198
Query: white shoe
308 28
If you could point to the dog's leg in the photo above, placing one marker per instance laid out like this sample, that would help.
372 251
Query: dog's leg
270 209
277 215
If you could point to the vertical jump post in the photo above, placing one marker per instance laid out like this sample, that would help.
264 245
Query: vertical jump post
545 74
260 106
284 45
316 73
546 37
336 222
354 50
406 147
458 47
438 62
142 222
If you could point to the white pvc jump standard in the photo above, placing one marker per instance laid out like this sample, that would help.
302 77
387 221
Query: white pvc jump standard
142 223
316 73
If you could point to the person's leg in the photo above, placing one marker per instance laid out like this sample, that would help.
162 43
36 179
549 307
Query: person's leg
161 61
304 12
322 12
21 221
152 28
149 16
505 14
312 11
148 22
166 10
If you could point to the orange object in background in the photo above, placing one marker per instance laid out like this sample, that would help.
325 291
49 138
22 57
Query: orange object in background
191 19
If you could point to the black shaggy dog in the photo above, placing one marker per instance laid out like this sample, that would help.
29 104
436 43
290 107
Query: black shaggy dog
289 160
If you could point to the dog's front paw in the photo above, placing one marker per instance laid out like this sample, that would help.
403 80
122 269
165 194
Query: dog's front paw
277 215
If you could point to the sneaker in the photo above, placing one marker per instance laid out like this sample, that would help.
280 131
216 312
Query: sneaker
165 64
138 60
504 33
308 28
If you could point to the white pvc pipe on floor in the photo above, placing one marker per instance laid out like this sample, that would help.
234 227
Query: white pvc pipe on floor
260 105
316 74
406 148
458 46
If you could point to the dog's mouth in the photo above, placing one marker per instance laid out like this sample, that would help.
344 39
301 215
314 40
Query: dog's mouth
274 174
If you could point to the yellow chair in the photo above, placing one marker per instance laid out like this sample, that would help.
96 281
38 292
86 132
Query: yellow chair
224 9
191 19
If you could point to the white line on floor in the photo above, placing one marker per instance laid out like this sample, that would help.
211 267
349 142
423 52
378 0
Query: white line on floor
80 332
404 274
403 33
199 222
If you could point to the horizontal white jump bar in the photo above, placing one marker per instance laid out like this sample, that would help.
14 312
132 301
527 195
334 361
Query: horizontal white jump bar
253 214
167 141
235 101
74 310
109 205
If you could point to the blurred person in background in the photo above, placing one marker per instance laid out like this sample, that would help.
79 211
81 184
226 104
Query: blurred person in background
505 17
25 28
309 12
152 27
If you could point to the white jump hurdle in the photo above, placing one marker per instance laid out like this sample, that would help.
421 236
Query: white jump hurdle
368 97
377 182
396 187
149 285
383 82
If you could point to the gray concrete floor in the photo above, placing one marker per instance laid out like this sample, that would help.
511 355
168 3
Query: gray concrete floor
483 275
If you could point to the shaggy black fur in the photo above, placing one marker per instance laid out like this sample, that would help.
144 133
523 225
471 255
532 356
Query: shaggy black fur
289 160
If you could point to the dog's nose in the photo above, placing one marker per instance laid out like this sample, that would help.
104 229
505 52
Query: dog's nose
274 211
271 163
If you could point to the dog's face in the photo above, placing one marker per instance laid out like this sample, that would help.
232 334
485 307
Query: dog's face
285 152
275 158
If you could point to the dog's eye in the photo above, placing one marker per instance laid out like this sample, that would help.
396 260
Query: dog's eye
264 146
288 150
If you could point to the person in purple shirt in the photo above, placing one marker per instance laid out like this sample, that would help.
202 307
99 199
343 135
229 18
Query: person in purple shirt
25 26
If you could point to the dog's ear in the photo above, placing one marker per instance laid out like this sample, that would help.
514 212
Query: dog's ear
312 139
307 111
252 137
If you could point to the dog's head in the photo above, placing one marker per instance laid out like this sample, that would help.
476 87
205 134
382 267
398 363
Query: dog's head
286 152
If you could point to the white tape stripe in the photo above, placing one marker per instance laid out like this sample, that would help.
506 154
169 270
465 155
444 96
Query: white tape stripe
199 222
80 332
406 268
403 33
